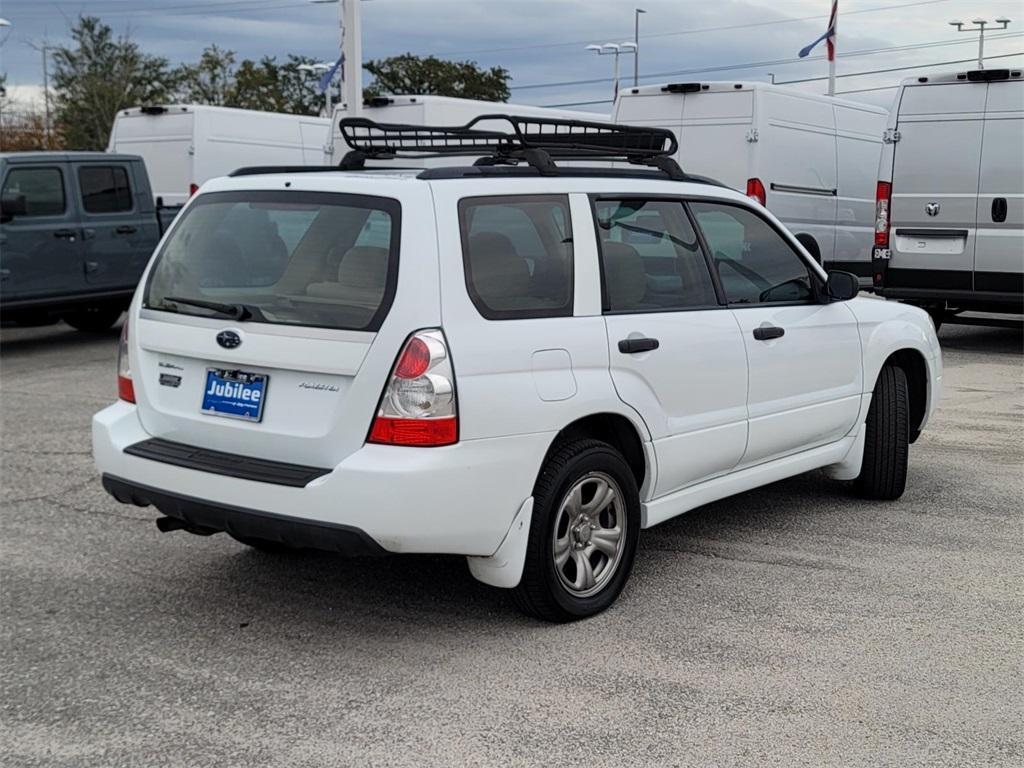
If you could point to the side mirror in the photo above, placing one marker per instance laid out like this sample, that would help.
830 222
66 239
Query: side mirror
842 286
11 206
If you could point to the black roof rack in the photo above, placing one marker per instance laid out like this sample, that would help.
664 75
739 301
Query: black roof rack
538 141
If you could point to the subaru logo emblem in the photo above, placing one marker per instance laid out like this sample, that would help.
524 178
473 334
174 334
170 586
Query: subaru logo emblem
932 209
229 339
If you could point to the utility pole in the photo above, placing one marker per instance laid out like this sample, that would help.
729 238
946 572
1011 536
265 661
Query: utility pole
46 96
350 35
636 45
979 27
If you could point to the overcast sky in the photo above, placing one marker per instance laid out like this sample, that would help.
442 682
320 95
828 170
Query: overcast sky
541 42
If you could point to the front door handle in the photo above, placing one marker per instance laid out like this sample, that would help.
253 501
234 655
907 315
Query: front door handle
88 234
632 346
999 209
125 230
767 332
91 266
66 234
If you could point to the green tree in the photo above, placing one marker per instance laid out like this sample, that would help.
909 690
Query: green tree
211 80
409 74
97 76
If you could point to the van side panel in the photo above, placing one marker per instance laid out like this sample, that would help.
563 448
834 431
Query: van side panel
999 249
165 143
796 162
858 147
936 164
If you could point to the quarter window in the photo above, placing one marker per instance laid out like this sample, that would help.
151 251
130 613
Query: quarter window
517 254
755 264
651 258
41 188
105 189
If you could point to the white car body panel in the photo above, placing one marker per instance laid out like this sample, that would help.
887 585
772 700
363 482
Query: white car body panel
719 430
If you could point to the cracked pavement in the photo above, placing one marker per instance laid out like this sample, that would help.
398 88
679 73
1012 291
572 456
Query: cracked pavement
794 625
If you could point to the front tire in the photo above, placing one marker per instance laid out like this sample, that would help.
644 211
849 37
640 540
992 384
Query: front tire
883 473
583 534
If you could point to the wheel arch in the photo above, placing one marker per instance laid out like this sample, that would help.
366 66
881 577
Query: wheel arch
617 430
915 367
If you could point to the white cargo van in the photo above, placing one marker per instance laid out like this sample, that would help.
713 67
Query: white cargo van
950 229
807 158
184 145
433 111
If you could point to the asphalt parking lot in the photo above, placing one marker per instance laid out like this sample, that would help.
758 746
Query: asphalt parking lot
795 625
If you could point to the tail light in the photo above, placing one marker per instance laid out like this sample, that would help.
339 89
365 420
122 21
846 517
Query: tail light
883 200
755 191
192 189
418 406
125 388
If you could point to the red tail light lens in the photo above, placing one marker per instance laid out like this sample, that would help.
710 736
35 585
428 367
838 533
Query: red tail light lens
125 388
192 189
756 191
883 201
418 406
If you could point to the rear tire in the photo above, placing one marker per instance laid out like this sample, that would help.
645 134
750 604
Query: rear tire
583 533
92 319
883 473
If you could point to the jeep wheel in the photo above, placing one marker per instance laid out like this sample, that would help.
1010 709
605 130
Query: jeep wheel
883 473
92 319
583 534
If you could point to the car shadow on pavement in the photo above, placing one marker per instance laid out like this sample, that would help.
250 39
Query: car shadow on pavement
24 341
974 338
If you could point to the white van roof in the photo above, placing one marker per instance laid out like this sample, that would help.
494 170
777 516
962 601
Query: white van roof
963 76
727 86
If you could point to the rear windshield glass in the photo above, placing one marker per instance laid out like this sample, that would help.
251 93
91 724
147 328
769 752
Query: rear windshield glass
292 258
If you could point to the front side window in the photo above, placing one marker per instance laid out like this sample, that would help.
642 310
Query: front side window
755 264
650 257
105 188
517 254
294 258
37 191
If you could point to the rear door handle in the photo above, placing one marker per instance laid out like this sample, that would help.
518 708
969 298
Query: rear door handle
632 346
767 332
125 230
67 234
4 274
999 209
92 266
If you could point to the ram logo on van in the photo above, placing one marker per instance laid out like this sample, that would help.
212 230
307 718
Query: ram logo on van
932 209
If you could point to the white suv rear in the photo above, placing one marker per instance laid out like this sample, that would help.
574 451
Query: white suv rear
523 365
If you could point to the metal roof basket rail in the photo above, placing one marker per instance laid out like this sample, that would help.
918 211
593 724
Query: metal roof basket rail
538 141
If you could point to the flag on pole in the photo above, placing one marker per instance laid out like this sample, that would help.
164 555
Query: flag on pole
325 81
829 37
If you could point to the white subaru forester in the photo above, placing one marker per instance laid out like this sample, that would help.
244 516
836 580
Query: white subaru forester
524 364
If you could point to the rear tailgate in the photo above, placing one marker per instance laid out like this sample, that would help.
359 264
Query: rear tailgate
329 323
935 186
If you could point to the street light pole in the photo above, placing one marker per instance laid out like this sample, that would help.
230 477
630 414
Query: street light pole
351 41
636 45
614 49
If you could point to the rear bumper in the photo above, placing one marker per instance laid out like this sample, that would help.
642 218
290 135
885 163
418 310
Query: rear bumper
459 499
213 518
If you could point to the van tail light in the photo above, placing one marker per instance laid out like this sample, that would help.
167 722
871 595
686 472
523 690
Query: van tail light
418 407
883 201
125 388
755 191
192 189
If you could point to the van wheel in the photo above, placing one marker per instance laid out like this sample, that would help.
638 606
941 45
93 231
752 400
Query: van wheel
883 473
92 319
263 545
583 534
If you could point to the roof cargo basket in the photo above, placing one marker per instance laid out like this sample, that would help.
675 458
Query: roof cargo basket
500 139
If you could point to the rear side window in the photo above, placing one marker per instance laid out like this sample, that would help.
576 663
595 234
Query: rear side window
755 264
105 188
650 257
292 258
517 255
41 188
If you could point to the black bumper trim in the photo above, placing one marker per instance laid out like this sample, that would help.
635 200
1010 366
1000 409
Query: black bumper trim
246 523
221 463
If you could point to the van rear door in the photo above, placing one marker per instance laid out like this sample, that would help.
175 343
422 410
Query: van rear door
935 186
164 140
998 261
